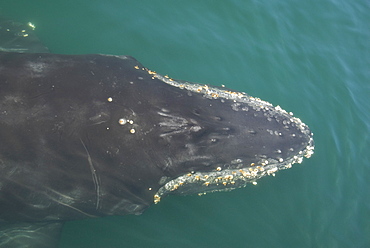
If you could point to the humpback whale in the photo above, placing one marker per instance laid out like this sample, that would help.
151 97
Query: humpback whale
84 136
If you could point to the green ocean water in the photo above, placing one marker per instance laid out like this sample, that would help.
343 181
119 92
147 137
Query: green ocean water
309 57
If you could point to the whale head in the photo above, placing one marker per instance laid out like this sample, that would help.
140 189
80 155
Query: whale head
220 139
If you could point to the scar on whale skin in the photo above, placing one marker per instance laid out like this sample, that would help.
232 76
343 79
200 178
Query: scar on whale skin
94 175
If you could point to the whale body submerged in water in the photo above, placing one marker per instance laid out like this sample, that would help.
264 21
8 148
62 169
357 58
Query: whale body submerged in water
85 136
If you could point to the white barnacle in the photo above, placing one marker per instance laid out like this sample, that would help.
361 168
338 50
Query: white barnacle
272 171
157 199
132 131
122 121
31 25
176 186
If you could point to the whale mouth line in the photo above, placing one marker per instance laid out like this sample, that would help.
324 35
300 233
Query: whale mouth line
229 179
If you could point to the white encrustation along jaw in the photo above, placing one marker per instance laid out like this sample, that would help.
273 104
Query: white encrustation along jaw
229 179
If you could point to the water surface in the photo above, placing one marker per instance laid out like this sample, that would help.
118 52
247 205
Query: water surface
309 57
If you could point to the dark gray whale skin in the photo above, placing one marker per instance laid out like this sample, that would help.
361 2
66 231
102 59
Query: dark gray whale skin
85 136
